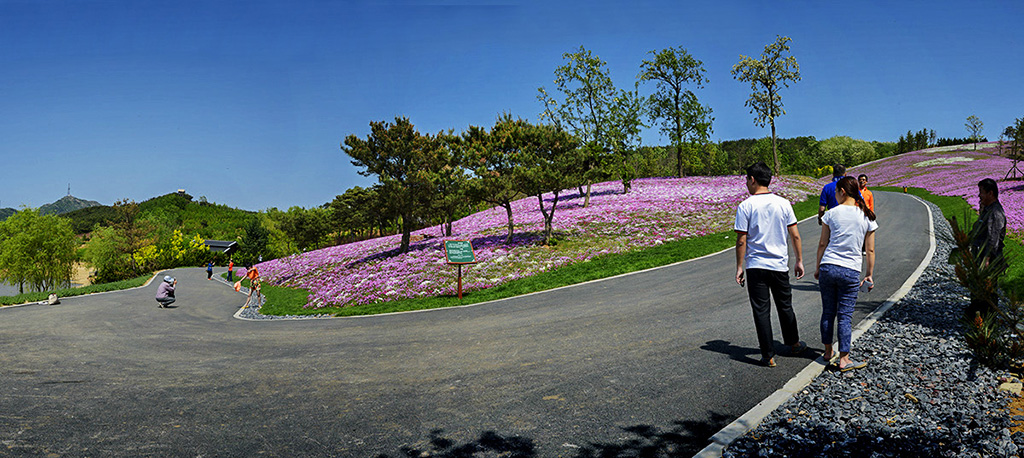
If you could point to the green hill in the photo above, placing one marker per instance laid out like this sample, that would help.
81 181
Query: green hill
6 212
67 204
169 212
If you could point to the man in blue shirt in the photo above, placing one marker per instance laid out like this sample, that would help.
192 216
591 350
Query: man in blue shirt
828 193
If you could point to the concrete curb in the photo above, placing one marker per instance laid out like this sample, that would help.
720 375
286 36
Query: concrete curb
757 414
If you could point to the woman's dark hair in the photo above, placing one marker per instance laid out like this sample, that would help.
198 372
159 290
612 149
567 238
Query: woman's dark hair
989 185
851 188
760 172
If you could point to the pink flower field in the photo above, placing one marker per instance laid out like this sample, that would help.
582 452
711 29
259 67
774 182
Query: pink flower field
952 171
657 210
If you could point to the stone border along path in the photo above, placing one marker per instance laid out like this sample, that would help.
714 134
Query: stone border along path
754 416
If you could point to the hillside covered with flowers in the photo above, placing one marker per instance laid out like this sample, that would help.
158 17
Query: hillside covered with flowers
655 211
953 171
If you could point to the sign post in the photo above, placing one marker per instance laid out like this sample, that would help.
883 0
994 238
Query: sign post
459 252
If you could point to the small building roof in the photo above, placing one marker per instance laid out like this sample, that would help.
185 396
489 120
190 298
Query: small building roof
221 246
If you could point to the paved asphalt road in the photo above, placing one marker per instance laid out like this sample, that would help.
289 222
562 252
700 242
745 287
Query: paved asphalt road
667 356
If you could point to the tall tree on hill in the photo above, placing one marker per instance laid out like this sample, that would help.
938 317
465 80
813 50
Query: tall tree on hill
767 76
449 178
682 116
974 126
626 112
585 111
400 158
494 159
551 162
133 233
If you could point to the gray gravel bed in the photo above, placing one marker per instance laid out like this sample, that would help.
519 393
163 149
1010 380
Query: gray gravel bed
921 395
253 312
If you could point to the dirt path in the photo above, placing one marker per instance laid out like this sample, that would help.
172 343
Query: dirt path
80 274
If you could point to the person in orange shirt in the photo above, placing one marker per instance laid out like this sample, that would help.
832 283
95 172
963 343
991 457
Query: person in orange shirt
254 285
862 180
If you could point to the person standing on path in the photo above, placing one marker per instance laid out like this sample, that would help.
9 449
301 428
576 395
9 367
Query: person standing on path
231 270
165 292
869 198
209 270
763 222
987 236
827 200
254 285
846 230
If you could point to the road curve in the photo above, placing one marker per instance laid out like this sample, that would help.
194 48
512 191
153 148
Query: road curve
666 356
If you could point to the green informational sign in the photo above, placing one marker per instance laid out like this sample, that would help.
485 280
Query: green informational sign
459 252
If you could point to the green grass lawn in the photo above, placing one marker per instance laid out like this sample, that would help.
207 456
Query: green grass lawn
69 292
287 301
1012 281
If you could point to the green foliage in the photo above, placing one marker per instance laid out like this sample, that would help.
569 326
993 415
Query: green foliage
845 150
626 110
550 162
308 228
802 155
974 126
586 111
682 116
449 179
767 76
253 244
169 212
36 251
494 158
922 139
978 274
400 157
85 219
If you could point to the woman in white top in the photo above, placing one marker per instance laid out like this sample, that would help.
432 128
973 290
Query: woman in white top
845 231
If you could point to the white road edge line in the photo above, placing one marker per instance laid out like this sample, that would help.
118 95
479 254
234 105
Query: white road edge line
755 415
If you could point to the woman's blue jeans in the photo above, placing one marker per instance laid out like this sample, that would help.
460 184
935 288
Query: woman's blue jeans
838 287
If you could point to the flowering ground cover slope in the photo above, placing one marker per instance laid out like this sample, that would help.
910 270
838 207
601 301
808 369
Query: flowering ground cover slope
953 171
657 210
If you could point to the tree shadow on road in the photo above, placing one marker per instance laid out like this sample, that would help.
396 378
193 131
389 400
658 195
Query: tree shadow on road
489 443
683 439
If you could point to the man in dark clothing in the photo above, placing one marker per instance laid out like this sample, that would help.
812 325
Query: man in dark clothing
987 238
990 229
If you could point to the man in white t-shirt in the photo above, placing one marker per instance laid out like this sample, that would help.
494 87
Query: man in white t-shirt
763 222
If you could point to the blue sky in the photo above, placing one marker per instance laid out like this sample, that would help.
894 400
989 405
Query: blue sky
246 103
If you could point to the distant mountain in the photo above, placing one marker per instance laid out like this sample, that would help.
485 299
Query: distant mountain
67 204
6 212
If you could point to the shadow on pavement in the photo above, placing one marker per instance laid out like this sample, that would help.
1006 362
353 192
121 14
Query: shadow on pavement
684 439
734 352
